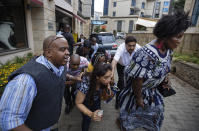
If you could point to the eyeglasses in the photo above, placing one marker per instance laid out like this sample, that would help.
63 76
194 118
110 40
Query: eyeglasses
56 37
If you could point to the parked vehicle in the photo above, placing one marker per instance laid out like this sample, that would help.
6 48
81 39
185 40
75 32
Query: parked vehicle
107 41
120 35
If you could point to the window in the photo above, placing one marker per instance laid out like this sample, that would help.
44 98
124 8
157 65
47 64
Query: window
143 5
114 13
106 3
131 11
156 15
114 4
165 9
69 1
131 22
166 3
133 2
119 26
92 9
80 6
12 25
142 14
106 38
195 13
157 5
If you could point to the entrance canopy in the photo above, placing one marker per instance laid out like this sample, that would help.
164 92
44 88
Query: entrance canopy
146 22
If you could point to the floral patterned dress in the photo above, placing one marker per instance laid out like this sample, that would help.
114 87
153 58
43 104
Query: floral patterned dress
147 63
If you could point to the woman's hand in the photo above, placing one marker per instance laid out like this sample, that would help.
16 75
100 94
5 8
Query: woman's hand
166 86
166 83
95 116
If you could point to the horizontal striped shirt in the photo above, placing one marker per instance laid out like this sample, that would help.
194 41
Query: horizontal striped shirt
18 96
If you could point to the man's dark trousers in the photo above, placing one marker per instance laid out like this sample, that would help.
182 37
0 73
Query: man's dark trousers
120 84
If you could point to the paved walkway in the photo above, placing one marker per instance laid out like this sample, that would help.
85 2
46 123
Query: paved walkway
181 112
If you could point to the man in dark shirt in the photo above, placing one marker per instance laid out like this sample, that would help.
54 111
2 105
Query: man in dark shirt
69 38
85 50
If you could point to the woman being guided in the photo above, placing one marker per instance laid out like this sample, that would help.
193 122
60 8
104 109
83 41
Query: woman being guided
141 103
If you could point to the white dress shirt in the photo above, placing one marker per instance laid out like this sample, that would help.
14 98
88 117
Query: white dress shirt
122 56
95 48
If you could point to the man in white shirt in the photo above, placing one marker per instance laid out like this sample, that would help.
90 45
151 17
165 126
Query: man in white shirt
94 46
122 58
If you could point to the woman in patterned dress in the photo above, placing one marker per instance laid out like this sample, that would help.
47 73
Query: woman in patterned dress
141 104
90 90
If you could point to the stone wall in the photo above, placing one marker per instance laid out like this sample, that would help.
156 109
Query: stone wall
189 44
43 24
86 28
188 72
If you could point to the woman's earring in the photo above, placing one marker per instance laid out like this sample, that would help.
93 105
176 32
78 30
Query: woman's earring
160 45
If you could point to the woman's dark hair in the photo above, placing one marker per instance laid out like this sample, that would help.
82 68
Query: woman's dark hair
96 57
100 52
100 69
171 25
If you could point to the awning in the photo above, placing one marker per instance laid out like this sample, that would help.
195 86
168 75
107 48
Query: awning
64 5
145 23
63 11
37 2
79 18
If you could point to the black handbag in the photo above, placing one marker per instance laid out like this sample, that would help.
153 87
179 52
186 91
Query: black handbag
166 91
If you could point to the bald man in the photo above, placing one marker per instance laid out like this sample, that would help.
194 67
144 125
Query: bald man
32 99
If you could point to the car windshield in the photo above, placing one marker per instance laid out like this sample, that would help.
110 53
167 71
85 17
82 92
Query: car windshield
120 33
106 38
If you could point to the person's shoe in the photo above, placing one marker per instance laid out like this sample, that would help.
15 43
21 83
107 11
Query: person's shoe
67 110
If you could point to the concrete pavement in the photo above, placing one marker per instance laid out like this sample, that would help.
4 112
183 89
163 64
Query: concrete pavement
181 112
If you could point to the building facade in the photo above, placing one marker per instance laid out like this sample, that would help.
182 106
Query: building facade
193 7
97 15
24 24
122 15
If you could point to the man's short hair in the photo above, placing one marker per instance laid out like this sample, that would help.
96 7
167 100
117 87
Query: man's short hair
130 39
93 39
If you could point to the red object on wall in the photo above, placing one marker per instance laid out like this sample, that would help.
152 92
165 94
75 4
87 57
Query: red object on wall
39 2
103 27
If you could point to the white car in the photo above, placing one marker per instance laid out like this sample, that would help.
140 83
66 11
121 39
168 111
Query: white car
107 41
121 35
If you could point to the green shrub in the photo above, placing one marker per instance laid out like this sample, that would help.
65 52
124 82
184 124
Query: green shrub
186 57
10 66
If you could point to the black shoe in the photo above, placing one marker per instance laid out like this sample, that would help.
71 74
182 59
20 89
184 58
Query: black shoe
67 110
